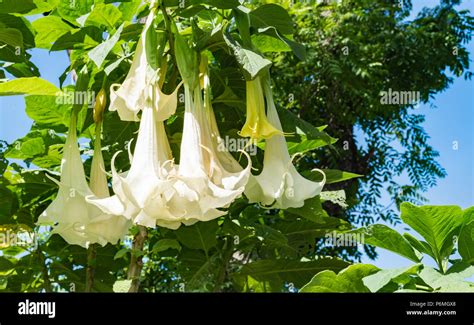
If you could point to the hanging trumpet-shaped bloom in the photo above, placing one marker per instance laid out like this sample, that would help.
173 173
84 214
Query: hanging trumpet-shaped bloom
71 216
257 125
142 193
205 184
279 185
129 97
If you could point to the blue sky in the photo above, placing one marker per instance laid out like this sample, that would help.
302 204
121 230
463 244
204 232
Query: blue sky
451 119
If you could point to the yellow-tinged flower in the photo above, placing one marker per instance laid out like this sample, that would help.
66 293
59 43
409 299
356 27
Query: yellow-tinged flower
71 216
257 126
99 106
279 185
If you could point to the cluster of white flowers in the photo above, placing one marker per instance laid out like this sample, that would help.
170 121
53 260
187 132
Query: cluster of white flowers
158 192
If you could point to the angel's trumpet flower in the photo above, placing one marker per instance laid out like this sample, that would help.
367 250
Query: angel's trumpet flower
129 97
71 216
256 125
142 193
204 186
279 185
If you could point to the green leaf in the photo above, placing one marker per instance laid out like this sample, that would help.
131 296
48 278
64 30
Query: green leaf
165 244
265 44
8 203
377 281
11 45
197 270
11 36
49 111
304 136
201 235
313 211
387 238
48 30
223 4
23 25
250 62
100 52
466 240
272 15
83 38
298 49
16 6
103 15
28 86
419 245
436 224
336 176
453 282
27 148
298 273
73 9
271 237
348 280
121 253
186 59
154 46
5 264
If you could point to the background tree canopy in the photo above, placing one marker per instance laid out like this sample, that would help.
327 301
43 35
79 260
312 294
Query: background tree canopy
331 62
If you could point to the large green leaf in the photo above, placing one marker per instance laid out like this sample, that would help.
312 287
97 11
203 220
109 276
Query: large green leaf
73 9
154 46
290 271
48 30
250 62
302 136
201 235
8 203
272 15
298 49
466 237
16 6
100 52
48 111
197 269
11 40
387 238
348 280
377 281
28 86
436 224
80 38
103 15
453 282
22 24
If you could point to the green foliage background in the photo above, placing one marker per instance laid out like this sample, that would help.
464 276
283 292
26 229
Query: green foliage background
251 248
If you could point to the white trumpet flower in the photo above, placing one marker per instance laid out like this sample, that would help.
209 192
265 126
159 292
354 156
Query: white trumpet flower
204 183
142 193
279 185
71 216
130 97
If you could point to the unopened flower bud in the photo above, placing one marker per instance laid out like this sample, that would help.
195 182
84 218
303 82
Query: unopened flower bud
99 106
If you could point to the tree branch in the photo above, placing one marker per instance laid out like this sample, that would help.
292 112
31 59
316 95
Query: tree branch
136 263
